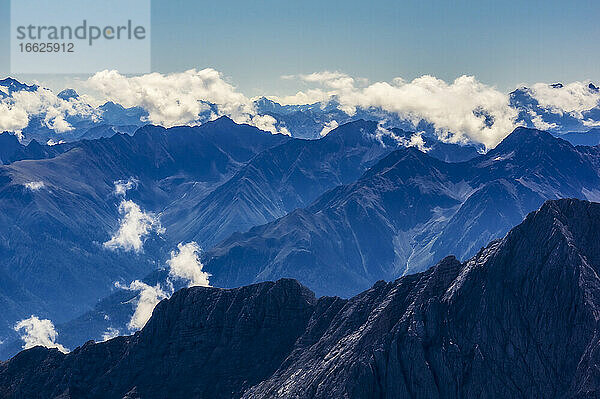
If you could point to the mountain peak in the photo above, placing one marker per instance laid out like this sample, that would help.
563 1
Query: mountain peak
527 139
569 211
68 94
223 120
14 85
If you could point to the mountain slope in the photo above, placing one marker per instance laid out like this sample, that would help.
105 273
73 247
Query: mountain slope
56 213
280 180
406 213
288 177
493 326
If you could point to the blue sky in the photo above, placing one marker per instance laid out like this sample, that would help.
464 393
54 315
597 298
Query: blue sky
253 43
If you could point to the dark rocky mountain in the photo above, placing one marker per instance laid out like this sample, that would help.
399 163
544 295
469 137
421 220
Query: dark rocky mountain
12 150
56 213
519 319
405 214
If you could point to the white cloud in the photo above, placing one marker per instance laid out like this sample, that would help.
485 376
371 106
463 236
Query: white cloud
12 119
573 98
15 111
110 333
335 80
416 140
451 108
34 185
540 123
459 111
185 264
591 123
147 299
304 97
122 186
179 98
135 226
38 332
52 142
268 124
329 126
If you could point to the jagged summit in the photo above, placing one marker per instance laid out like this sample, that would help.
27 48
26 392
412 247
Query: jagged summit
68 94
14 85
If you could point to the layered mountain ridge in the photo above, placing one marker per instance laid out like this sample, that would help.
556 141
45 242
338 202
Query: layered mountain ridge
56 213
406 213
204 183
519 319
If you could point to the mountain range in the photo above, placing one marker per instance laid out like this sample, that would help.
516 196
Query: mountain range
56 213
519 319
407 212
338 213
378 197
202 182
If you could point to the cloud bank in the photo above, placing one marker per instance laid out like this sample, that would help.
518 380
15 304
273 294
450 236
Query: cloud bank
179 98
573 98
36 332
464 110
460 111
17 110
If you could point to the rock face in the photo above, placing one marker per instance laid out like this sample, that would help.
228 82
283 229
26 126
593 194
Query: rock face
520 319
